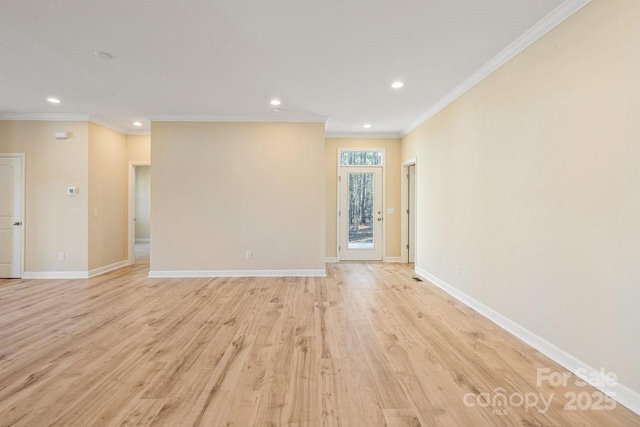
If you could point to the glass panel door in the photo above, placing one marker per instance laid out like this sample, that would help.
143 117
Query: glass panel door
361 216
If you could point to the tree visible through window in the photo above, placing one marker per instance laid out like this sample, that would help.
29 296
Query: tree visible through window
361 210
361 158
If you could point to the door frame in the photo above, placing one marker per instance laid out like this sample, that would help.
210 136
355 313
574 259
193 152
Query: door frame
131 226
384 195
23 227
404 202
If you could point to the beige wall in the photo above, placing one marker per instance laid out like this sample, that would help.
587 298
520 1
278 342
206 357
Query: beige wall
408 149
138 148
530 182
219 189
392 190
54 222
142 201
107 194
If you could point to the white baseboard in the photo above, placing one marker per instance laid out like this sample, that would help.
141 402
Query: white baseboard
107 268
623 395
73 274
386 259
55 275
236 273
143 240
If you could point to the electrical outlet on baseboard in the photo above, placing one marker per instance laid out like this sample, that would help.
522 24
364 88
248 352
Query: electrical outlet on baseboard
248 255
60 256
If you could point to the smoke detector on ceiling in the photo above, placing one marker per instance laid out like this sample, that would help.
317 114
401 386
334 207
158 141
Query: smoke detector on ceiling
103 55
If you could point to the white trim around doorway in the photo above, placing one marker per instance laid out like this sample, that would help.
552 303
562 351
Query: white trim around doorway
384 197
404 203
131 227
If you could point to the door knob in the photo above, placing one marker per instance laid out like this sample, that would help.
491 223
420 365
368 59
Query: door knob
379 219
17 223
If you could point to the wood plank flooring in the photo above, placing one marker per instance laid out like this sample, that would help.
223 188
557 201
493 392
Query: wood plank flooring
366 346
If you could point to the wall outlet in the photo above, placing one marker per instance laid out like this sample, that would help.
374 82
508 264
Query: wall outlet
457 270
60 256
95 211
248 255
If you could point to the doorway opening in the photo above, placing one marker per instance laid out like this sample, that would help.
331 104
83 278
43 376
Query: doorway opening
408 223
139 212
360 205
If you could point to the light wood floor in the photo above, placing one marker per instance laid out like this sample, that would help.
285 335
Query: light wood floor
141 251
367 346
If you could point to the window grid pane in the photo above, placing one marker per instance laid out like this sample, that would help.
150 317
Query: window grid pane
361 158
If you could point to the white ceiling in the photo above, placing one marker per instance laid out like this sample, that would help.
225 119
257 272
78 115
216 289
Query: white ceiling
330 60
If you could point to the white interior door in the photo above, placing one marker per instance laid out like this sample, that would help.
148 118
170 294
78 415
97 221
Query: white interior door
361 214
10 216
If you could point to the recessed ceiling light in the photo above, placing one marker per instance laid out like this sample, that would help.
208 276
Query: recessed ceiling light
103 55
137 124
275 102
397 85
53 100
366 126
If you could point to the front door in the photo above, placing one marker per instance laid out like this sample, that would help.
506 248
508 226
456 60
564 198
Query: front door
10 216
361 215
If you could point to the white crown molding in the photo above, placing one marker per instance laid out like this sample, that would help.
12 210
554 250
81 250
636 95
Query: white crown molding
45 117
549 22
106 123
363 135
235 273
138 132
623 395
107 268
298 118
553 19
55 275
64 117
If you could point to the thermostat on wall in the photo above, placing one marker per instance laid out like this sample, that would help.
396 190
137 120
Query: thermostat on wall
72 191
